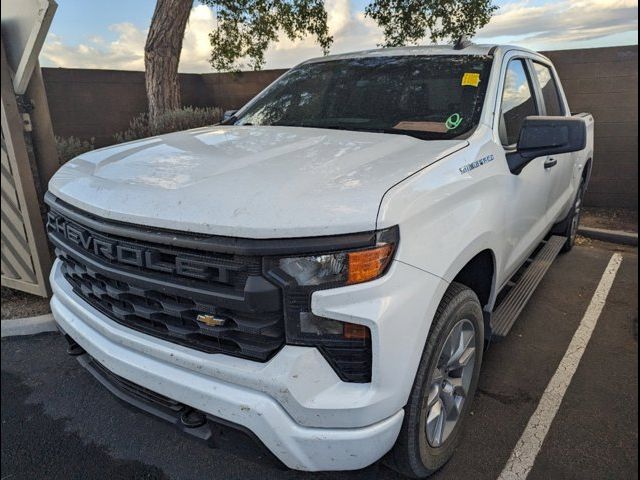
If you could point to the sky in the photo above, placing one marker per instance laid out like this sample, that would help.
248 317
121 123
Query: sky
111 34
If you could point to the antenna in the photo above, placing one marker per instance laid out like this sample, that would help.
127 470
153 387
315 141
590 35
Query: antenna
462 42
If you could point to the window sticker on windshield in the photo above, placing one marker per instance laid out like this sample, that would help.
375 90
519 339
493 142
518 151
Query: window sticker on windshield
435 127
453 121
471 79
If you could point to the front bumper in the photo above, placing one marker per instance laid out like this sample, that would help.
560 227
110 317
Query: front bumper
294 404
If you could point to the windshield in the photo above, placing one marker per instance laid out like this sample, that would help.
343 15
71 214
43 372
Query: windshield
430 97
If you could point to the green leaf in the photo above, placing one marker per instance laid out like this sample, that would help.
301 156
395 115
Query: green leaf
246 28
407 22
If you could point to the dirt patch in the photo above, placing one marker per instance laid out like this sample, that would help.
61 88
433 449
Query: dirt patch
16 304
583 241
600 245
610 219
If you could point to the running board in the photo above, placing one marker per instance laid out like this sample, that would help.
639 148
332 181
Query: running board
507 312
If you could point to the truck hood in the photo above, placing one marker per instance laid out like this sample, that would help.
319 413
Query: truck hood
252 182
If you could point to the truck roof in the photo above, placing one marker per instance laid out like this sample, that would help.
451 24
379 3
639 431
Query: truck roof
472 49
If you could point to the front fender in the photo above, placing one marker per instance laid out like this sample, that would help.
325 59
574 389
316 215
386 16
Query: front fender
447 215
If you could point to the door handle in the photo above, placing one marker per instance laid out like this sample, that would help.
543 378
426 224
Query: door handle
552 162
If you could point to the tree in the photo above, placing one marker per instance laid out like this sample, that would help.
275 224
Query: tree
410 21
246 28
162 55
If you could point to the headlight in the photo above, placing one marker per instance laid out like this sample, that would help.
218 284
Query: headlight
346 346
345 267
316 270
340 268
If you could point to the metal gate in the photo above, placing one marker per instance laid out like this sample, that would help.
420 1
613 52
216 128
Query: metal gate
25 254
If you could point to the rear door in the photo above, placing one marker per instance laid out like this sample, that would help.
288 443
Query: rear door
560 167
527 195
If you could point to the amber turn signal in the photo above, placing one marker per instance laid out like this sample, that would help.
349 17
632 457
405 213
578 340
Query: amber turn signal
355 332
365 265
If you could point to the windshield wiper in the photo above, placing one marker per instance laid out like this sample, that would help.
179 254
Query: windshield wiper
393 131
411 133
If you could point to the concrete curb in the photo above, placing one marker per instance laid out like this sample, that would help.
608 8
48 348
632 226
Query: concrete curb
613 236
28 326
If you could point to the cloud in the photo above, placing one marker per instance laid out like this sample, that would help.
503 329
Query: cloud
124 53
350 29
550 25
196 49
563 23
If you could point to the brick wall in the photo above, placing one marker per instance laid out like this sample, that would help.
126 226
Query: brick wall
603 81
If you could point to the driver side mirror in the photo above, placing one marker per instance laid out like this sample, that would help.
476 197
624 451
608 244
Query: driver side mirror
542 136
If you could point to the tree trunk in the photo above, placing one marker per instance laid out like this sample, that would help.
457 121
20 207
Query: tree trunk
162 55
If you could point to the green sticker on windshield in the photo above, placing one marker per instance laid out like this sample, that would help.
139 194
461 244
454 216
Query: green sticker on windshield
453 121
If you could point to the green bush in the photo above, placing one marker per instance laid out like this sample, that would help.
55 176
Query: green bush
71 147
172 121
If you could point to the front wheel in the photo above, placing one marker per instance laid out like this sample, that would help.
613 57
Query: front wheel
444 386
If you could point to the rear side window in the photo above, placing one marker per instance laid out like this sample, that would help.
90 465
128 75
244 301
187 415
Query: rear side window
550 92
518 102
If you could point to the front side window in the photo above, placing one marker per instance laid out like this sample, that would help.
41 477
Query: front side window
550 93
429 97
518 102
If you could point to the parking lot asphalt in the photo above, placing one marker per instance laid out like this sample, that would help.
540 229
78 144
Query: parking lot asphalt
58 422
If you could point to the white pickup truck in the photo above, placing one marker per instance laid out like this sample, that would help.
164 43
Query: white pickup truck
322 271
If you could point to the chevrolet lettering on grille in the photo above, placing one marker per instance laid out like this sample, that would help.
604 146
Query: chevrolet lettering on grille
143 257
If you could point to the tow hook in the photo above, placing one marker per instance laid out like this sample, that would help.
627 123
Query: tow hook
191 418
74 349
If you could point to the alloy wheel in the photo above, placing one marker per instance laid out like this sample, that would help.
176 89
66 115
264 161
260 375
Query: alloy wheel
450 382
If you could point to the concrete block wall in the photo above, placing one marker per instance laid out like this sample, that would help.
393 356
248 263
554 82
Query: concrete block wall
604 82
232 90
89 103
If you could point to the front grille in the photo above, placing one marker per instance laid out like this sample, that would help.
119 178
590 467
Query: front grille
160 282
161 290
352 363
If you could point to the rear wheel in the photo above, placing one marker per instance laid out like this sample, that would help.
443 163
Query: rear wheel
444 386
569 226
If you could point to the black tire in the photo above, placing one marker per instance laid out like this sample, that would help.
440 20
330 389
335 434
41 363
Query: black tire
412 455
569 226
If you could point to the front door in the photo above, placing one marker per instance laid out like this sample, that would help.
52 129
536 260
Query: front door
526 220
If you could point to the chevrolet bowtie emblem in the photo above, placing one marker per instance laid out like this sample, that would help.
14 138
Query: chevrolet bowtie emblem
210 320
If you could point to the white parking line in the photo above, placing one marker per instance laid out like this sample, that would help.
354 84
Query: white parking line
524 454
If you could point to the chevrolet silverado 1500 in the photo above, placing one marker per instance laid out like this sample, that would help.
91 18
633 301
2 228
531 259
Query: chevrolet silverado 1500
323 270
